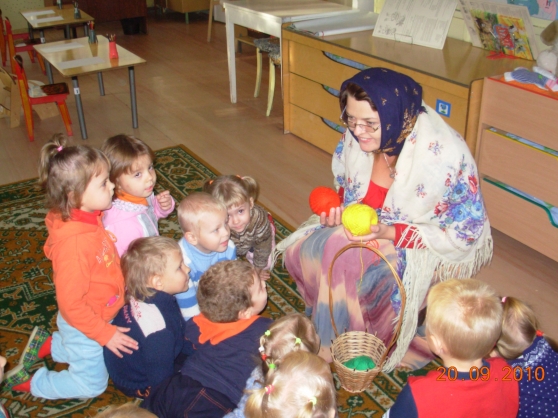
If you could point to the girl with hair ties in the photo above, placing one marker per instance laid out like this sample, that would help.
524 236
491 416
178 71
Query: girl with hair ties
399 157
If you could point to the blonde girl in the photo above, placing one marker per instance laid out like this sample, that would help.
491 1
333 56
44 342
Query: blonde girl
136 211
532 357
252 228
300 386
290 333
87 277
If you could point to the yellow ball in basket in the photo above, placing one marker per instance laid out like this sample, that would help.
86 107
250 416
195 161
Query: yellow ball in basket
358 218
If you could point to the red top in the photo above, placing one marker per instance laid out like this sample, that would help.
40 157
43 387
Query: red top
375 197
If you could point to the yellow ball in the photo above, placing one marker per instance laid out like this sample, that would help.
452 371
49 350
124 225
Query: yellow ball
358 218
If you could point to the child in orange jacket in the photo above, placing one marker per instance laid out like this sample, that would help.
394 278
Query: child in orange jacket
87 277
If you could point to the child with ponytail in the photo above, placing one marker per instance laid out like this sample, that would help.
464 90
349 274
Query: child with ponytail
252 227
290 333
525 347
299 386
87 278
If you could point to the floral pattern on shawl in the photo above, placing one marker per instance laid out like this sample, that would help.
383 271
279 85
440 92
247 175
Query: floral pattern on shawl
462 204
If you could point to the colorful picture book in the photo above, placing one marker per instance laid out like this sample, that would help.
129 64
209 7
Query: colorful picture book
504 34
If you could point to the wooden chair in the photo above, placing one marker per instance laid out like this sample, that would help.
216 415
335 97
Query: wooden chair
4 41
54 93
212 4
273 49
26 45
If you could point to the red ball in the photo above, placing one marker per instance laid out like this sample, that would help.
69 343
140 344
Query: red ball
322 199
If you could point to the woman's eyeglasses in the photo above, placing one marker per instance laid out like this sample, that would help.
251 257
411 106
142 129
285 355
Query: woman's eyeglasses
350 122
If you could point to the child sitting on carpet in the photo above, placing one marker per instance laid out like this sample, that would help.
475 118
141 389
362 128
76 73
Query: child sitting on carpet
527 349
225 337
463 323
154 271
87 276
136 210
252 227
293 332
300 385
203 221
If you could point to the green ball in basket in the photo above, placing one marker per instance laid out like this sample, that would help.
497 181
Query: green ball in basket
360 363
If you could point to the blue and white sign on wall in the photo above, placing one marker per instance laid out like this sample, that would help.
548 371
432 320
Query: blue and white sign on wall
443 108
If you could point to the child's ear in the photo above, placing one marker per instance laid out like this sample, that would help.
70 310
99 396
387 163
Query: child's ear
191 237
156 282
251 202
246 313
438 345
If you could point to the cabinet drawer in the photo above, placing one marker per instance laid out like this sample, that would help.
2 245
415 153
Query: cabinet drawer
313 129
311 63
314 98
518 165
525 113
520 219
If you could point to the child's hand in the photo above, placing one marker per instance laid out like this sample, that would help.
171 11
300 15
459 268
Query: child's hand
264 274
165 200
122 342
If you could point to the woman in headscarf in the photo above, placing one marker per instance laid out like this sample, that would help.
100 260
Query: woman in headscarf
399 157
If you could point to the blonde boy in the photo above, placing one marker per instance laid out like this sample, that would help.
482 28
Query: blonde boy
226 336
463 323
205 241
154 271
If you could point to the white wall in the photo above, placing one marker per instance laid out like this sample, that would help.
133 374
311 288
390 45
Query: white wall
11 9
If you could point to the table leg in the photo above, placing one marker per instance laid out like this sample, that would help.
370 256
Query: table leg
133 102
86 30
81 118
67 33
229 28
43 40
101 84
49 72
30 30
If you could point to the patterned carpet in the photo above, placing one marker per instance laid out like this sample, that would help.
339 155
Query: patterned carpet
28 299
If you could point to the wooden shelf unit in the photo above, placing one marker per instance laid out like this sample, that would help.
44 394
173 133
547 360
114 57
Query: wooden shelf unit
454 75
530 115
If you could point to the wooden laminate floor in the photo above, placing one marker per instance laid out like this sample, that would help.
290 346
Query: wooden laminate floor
183 98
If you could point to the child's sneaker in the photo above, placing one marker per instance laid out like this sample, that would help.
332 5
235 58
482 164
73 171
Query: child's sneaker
34 349
18 379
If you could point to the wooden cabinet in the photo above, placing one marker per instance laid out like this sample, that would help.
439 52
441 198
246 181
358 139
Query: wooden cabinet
314 69
108 10
519 179
187 6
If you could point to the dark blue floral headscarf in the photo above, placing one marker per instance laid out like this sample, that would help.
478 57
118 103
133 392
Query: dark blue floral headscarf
398 99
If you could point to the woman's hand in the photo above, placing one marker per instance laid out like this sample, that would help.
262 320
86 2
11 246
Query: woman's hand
334 218
121 342
379 231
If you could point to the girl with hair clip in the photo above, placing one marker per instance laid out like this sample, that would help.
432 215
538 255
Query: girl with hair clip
87 278
252 227
300 386
290 333
525 347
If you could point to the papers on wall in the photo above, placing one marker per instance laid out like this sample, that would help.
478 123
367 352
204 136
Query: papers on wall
424 22
500 27
350 22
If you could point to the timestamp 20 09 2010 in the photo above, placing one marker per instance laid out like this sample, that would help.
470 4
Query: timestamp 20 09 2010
516 373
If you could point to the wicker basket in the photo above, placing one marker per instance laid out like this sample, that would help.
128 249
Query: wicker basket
358 343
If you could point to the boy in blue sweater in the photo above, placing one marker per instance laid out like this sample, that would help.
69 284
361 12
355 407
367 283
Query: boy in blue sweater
154 271
203 220
225 337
